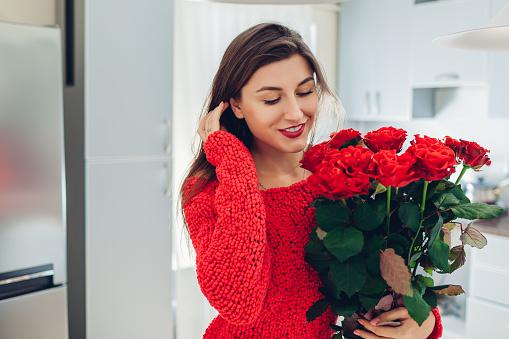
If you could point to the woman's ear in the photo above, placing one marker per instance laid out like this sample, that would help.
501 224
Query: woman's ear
235 105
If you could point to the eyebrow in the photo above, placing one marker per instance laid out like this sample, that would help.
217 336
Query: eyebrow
271 88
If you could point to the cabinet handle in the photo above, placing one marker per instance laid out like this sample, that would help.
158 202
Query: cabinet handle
377 103
447 76
367 103
167 193
167 150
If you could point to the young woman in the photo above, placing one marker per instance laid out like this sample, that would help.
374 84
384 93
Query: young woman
245 196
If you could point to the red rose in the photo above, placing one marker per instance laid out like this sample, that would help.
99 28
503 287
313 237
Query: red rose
453 144
473 155
385 138
433 160
314 156
469 153
391 169
339 138
342 173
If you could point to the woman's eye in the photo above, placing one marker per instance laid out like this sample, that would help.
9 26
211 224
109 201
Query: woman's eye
304 94
271 102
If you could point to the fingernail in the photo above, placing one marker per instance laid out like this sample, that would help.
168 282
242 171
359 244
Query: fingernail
357 333
375 321
360 322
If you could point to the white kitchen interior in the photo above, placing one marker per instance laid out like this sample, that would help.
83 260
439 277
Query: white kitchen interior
134 89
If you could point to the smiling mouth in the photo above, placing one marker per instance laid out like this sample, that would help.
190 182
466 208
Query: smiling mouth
294 128
294 131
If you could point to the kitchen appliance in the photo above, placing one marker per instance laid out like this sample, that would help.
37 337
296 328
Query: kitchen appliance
33 290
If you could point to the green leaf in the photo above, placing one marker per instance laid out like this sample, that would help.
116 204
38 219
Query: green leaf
445 200
409 214
473 237
352 142
373 285
344 242
417 307
394 240
348 276
367 217
373 264
330 216
319 261
476 210
379 189
314 245
317 309
428 282
435 231
439 254
369 301
459 194
372 245
345 308
458 257
414 258
449 290
430 298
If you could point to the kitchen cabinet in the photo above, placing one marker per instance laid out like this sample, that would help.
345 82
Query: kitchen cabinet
498 75
129 80
435 66
128 106
487 301
374 60
129 250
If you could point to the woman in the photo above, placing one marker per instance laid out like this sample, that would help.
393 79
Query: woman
245 198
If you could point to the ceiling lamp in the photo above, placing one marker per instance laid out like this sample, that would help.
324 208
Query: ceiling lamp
277 2
493 36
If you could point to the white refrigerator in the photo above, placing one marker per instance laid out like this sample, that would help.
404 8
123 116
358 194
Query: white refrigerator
33 290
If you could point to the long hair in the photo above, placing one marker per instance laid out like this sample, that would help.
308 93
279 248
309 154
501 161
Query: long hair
256 47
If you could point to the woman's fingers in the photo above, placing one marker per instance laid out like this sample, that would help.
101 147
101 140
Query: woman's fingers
210 123
408 328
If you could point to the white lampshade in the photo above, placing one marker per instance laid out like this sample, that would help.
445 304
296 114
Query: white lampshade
493 36
276 2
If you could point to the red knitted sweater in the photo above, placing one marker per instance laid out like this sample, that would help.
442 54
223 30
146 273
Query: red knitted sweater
250 251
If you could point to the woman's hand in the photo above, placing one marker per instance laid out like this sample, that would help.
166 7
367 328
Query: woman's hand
210 123
408 328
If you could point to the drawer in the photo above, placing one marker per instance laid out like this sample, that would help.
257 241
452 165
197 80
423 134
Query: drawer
486 320
494 254
489 283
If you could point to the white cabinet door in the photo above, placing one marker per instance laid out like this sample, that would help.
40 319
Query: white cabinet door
486 320
356 59
498 74
128 251
435 65
128 76
374 63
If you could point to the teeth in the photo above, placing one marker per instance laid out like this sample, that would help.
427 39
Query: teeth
293 129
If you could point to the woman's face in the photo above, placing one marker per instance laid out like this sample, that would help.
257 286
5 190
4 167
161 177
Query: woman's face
279 104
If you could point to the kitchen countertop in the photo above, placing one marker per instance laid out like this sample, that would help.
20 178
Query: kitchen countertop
497 226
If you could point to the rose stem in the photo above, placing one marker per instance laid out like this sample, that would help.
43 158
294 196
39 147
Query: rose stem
388 210
423 205
344 203
463 170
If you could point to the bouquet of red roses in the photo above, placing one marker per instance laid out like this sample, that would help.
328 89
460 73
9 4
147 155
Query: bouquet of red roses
382 214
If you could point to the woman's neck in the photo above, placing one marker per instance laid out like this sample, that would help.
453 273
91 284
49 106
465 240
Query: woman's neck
279 170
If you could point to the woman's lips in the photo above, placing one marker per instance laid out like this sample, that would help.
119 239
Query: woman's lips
294 131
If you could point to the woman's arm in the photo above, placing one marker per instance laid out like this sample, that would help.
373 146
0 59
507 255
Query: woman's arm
430 329
226 223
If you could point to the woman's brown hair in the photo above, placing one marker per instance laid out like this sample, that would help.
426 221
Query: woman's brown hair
256 47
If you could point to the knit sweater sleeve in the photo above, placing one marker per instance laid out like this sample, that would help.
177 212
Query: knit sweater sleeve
438 329
226 223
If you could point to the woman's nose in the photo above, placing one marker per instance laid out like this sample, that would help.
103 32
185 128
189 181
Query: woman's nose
293 111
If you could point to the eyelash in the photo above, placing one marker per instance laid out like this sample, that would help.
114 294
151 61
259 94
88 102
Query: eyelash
275 101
